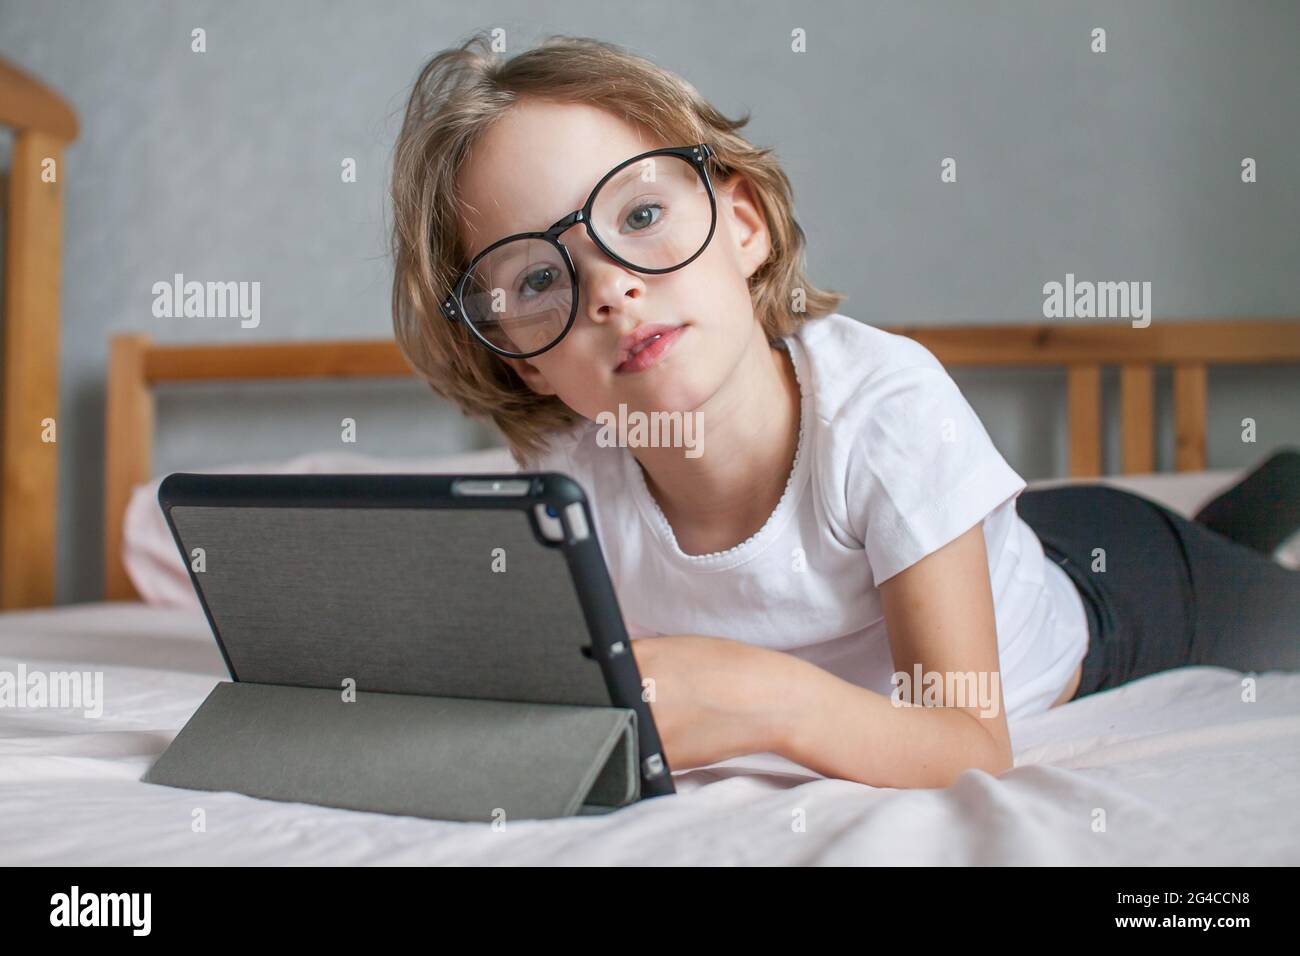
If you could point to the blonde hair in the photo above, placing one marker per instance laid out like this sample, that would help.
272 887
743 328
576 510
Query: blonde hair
459 94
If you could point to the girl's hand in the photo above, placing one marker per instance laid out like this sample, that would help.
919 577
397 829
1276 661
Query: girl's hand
710 697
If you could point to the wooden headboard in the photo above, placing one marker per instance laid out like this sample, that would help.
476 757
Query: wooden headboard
42 124
136 365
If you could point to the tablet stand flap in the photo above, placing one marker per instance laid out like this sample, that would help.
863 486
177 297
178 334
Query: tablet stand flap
447 758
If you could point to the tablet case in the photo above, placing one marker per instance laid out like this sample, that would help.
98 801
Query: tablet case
441 757
476 694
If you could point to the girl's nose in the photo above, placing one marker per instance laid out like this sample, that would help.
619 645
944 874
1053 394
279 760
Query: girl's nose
604 285
605 288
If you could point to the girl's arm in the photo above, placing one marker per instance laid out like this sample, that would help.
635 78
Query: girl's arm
714 698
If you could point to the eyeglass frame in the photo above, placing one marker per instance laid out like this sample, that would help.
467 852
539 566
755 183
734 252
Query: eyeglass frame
453 307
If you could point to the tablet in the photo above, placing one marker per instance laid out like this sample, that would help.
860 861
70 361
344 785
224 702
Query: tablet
483 586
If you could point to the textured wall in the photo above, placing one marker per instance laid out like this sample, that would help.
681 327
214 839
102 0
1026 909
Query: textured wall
1114 166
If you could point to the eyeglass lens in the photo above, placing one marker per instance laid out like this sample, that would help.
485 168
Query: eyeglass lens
654 214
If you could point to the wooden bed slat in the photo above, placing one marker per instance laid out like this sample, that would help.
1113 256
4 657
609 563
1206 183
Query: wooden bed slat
1084 404
1190 389
1170 342
128 450
275 360
1137 418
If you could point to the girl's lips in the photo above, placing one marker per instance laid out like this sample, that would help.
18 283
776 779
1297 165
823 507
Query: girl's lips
652 353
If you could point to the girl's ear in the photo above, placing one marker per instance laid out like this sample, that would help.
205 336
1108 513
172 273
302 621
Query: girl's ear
531 375
749 232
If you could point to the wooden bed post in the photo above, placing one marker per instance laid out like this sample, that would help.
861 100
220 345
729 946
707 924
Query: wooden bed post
29 472
128 451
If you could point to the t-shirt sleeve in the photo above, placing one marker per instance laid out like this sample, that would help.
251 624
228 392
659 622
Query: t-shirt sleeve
921 468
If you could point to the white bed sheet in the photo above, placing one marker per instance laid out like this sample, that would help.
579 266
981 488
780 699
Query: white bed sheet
1185 772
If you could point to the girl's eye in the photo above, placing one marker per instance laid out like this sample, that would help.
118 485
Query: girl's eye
538 281
643 216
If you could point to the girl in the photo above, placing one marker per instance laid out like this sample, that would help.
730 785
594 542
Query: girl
836 571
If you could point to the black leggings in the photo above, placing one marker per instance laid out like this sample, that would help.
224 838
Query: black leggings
1172 592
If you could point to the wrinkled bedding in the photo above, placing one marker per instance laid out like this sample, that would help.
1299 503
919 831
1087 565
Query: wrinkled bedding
1178 768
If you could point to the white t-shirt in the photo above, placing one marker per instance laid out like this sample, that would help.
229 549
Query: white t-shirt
892 464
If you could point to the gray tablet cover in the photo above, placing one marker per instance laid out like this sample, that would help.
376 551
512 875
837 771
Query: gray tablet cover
473 695
402 600
442 757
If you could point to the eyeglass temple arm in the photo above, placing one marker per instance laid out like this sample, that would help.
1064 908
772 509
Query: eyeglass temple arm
448 309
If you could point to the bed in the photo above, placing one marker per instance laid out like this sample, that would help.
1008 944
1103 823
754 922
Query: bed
1171 769
1184 773
1182 769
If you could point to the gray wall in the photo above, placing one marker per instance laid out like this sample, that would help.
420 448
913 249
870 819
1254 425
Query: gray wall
1115 166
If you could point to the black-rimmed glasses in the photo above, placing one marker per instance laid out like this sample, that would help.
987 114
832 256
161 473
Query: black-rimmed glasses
653 213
